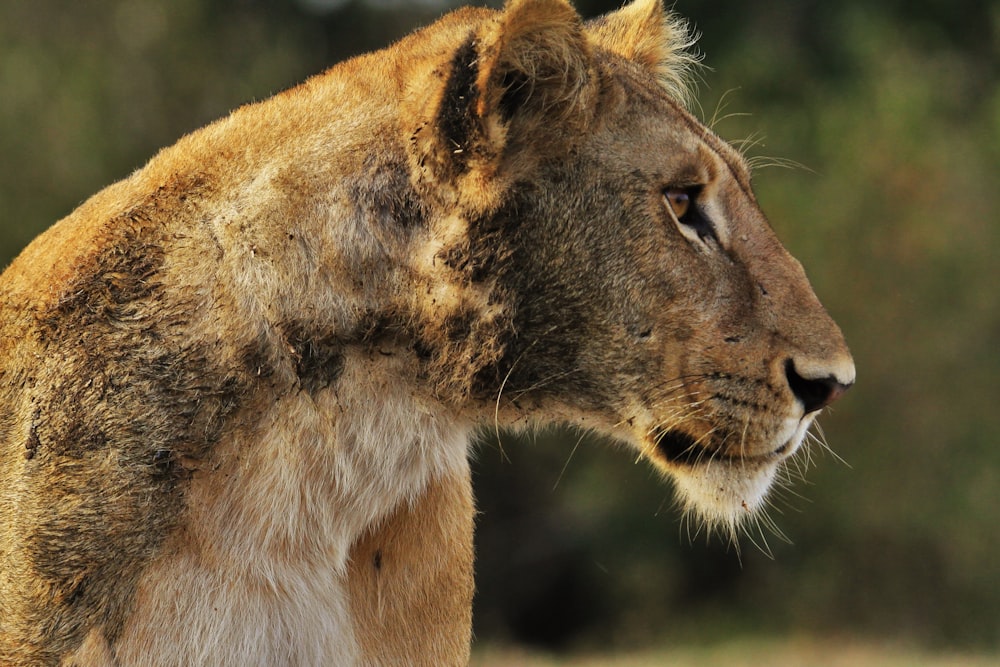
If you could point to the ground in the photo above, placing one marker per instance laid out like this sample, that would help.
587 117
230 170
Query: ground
798 652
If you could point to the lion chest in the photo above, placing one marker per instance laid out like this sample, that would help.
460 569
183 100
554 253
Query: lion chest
261 570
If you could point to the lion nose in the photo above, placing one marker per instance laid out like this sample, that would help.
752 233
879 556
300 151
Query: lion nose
817 390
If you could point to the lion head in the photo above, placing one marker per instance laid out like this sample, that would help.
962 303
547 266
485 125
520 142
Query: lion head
614 245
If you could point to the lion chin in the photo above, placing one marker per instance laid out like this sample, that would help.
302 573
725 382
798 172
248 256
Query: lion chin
725 492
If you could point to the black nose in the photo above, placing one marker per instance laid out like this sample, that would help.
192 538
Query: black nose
815 393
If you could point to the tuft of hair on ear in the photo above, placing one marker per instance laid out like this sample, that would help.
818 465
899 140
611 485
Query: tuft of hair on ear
537 76
662 42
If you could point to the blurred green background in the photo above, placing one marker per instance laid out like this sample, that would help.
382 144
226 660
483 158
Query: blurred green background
892 112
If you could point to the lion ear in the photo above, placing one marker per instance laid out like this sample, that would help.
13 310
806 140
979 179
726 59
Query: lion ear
536 78
645 33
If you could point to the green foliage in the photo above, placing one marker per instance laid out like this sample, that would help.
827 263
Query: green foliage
893 108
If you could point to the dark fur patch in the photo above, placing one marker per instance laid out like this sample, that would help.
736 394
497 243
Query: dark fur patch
549 334
385 196
456 119
258 358
490 242
318 356
456 257
377 328
120 276
111 439
516 93
458 327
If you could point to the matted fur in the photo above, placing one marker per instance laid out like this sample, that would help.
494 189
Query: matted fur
237 388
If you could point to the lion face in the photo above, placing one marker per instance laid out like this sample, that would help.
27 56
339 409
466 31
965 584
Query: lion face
668 313
648 297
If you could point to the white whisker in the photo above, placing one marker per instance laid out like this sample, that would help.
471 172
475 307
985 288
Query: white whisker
568 459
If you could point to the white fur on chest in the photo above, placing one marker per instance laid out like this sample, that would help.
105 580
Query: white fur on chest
259 574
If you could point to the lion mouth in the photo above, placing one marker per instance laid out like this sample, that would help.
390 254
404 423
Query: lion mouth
720 488
681 448
723 486
678 447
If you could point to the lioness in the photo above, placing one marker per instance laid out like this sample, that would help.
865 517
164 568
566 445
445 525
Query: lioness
237 388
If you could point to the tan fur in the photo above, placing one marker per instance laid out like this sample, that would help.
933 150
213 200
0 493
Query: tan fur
427 543
237 389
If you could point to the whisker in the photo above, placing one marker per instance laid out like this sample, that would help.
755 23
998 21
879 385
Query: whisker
772 526
762 546
748 143
820 438
662 504
503 385
544 382
568 459
720 106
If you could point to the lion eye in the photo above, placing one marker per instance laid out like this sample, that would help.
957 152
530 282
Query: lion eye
679 201
689 217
